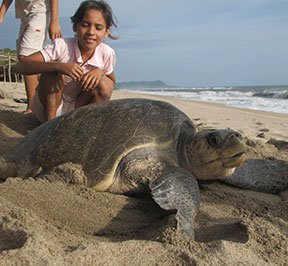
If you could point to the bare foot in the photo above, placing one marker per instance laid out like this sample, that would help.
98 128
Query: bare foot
27 111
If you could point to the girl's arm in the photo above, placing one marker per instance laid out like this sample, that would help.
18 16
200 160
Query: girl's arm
35 64
54 26
3 9
112 77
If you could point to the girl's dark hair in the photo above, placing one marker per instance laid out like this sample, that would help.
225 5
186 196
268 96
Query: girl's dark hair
101 6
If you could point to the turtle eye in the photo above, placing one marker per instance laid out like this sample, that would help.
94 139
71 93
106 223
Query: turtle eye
212 140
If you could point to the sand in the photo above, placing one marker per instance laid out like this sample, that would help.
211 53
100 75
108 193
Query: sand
53 223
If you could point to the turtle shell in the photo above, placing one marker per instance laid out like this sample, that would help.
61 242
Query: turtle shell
97 136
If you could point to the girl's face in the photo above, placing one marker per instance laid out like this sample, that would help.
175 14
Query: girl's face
91 30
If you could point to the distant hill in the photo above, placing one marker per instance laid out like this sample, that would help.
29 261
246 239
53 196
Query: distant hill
142 84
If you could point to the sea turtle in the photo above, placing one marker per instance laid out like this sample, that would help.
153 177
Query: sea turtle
134 147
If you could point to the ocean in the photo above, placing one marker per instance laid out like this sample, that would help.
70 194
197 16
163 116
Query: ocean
264 98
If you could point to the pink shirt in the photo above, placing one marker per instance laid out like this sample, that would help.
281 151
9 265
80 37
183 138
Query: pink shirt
67 51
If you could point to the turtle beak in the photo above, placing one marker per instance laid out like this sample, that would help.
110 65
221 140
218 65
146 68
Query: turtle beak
234 161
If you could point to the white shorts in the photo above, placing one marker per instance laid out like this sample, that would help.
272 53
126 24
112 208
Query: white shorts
38 110
32 33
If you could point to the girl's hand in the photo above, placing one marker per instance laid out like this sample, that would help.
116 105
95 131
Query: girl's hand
73 70
91 79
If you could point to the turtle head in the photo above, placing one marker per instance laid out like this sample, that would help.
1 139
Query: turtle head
215 154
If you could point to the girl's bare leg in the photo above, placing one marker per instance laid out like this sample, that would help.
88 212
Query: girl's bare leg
102 93
50 92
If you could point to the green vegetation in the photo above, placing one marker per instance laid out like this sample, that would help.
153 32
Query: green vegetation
8 57
5 54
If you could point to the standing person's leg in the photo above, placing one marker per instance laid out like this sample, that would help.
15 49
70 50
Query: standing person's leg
31 82
32 36
102 93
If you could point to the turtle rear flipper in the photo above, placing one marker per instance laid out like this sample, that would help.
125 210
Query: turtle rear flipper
178 190
261 175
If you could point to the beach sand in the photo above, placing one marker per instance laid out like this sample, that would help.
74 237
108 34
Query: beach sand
53 223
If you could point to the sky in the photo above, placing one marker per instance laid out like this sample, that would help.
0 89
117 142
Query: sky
191 42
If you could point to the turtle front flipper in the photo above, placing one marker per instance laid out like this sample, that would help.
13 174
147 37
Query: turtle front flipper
261 175
176 189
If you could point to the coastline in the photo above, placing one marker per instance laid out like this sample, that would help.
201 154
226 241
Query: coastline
250 122
54 223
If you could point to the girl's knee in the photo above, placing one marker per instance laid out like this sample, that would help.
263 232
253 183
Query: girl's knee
51 76
104 95
51 81
104 90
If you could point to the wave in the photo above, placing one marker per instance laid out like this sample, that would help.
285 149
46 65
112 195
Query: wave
181 89
265 98
275 94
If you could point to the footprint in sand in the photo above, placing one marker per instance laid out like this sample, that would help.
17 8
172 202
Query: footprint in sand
264 130
11 239
234 231
279 144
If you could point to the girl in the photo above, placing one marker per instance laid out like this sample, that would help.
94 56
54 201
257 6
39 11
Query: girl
74 71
